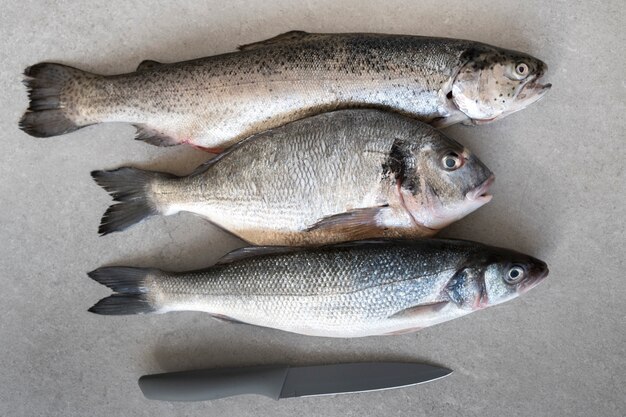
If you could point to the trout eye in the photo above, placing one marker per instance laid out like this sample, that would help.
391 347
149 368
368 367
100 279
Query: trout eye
515 274
521 70
452 161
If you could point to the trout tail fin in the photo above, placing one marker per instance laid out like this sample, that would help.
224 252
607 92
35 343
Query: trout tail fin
52 89
132 188
131 287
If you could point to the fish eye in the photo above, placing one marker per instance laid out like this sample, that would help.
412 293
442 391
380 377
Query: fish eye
452 161
515 274
521 70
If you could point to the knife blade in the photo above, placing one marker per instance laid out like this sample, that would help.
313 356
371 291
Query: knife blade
287 382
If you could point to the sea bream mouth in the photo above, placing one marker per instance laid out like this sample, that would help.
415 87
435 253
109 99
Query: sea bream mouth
481 193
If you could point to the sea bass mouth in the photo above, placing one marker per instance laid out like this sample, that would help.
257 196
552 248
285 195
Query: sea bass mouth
481 193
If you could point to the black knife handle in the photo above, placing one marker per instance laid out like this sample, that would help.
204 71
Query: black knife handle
212 384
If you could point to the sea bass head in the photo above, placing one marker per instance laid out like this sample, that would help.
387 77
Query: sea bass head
494 276
494 83
439 180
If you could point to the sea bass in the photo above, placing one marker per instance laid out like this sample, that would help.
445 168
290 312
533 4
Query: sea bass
348 290
344 175
214 102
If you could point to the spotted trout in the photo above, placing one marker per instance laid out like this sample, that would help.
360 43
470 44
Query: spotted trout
344 175
214 102
348 290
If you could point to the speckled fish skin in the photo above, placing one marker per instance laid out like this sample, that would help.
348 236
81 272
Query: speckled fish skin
338 176
350 290
214 102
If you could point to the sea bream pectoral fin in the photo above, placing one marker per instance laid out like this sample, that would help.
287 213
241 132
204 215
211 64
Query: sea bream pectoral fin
359 224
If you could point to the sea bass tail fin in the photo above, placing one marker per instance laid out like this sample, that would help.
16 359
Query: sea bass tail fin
51 89
132 188
132 290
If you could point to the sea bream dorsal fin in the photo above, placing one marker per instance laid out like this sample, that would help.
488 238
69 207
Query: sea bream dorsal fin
283 37
148 64
253 251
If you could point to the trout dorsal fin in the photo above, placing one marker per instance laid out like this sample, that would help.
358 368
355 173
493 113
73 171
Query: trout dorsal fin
283 37
148 65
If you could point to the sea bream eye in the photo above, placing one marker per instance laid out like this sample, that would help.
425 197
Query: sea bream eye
515 274
452 161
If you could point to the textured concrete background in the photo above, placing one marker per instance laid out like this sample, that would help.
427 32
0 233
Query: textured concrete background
559 350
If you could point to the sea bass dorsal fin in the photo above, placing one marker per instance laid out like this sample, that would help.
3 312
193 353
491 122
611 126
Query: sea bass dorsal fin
359 223
148 64
283 37
252 251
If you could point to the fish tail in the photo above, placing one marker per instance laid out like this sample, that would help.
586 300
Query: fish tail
132 188
53 90
131 286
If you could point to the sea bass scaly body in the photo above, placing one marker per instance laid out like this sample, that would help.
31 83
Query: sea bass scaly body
349 290
216 101
338 176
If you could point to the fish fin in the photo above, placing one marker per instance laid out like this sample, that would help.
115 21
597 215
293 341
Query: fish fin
47 112
283 37
420 310
226 319
131 188
252 251
358 223
131 290
148 64
404 331
154 137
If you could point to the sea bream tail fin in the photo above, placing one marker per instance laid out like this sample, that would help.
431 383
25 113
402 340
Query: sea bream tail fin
131 287
132 188
52 89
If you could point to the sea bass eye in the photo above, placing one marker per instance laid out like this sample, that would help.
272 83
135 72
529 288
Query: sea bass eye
452 161
521 70
515 274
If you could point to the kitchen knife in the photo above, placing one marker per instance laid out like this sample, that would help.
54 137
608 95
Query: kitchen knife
285 381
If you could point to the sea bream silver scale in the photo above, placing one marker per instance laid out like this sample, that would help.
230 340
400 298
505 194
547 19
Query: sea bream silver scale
348 290
338 176
214 102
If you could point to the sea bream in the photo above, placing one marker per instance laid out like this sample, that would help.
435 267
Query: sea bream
348 290
344 175
216 101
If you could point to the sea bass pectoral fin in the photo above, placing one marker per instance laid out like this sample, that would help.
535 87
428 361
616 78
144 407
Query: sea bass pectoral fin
358 224
421 310
283 37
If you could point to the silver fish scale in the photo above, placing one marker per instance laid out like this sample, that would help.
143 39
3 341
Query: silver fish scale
329 286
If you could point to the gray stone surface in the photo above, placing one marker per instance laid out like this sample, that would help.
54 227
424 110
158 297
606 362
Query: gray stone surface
559 350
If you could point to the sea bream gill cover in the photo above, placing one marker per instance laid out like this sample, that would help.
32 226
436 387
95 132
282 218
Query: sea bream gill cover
348 290
338 176
216 101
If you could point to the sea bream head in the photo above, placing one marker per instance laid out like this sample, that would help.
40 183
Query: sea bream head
494 276
439 181
494 83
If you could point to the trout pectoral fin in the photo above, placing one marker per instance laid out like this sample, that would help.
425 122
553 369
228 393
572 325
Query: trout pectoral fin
419 311
148 65
358 224
283 37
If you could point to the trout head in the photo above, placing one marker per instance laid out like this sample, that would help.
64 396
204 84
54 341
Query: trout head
494 83
438 180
